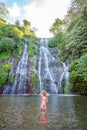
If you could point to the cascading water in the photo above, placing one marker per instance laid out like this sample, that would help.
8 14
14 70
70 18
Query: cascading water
21 74
66 72
7 87
50 69
51 72
20 85
65 76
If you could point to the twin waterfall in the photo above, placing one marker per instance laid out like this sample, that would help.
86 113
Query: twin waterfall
51 71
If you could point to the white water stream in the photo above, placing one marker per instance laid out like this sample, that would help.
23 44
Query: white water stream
50 69
20 80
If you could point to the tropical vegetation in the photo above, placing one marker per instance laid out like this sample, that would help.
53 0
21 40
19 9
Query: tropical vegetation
12 38
70 36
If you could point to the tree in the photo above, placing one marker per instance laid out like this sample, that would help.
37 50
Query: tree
26 23
17 23
2 21
26 28
57 26
7 44
3 10
78 8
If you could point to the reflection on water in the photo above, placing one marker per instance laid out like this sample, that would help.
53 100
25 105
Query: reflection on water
23 113
44 120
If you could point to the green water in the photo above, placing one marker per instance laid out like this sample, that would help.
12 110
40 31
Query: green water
63 113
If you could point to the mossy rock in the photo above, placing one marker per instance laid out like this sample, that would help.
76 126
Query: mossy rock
12 76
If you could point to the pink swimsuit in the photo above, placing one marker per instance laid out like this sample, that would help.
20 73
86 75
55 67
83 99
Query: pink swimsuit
43 102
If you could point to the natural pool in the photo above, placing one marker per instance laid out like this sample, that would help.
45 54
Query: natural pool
64 112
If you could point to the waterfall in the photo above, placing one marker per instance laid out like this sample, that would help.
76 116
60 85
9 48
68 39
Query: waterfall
21 79
20 85
65 76
50 69
7 87
66 72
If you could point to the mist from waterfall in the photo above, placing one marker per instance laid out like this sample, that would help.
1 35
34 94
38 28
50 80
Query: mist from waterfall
50 69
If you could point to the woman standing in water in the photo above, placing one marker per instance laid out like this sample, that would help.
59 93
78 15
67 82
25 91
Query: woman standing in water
44 100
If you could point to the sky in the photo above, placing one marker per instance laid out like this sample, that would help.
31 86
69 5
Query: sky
41 13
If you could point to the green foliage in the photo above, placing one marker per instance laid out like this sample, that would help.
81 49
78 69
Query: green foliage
17 34
2 21
73 24
10 39
77 42
7 44
12 76
1 33
78 9
26 23
53 43
57 26
78 75
34 80
26 28
32 49
83 68
4 56
57 41
18 80
32 46
73 76
20 49
12 32
73 44
4 70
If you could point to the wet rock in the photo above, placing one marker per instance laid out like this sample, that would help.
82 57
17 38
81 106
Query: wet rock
1 90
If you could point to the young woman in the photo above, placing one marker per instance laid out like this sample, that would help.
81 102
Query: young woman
44 100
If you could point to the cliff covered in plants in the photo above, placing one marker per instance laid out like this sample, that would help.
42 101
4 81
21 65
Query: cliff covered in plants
70 36
12 39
